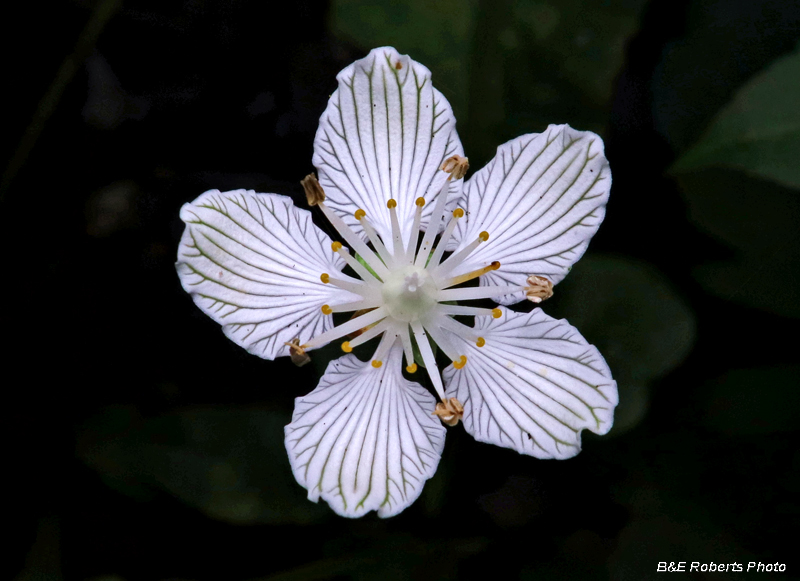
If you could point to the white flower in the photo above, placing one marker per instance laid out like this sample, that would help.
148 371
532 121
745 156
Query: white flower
367 438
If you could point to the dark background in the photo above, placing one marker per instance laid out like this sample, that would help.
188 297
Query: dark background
142 444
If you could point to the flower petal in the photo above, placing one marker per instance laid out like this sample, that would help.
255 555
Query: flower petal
385 133
365 438
252 262
541 199
533 386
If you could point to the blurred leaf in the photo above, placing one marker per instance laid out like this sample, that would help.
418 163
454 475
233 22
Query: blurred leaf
759 130
542 62
629 311
700 72
757 218
43 562
229 463
755 401
437 34
398 556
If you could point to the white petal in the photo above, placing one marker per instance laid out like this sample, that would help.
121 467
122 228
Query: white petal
533 386
385 133
252 262
365 438
541 199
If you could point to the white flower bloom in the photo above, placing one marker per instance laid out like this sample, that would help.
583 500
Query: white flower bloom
390 166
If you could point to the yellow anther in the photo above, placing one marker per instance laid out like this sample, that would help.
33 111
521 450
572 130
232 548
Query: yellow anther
497 313
325 277
360 214
420 202
391 203
336 246
346 347
480 342
484 236
412 368
495 265
460 363
376 363
326 310
458 213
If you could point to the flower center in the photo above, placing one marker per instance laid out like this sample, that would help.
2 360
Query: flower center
406 292
409 293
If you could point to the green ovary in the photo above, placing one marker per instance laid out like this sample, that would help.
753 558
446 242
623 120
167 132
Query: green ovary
409 293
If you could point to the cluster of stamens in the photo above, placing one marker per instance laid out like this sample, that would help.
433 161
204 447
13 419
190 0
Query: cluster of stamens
403 288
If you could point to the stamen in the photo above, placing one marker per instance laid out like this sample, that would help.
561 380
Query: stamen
372 234
370 333
540 289
325 277
412 368
428 357
456 166
314 192
355 286
296 353
346 347
414 237
470 275
354 240
326 310
462 310
397 235
477 292
457 258
449 411
433 225
460 363
408 349
445 238
458 329
387 341
346 328
480 342
438 335
353 306
497 313
360 269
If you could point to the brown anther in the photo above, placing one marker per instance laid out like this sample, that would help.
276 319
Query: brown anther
456 166
296 353
538 289
449 411
314 192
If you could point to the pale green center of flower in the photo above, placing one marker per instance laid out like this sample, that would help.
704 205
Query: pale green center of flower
409 293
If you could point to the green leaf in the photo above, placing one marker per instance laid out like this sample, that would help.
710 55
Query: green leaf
630 312
367 266
230 463
759 130
540 62
759 220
